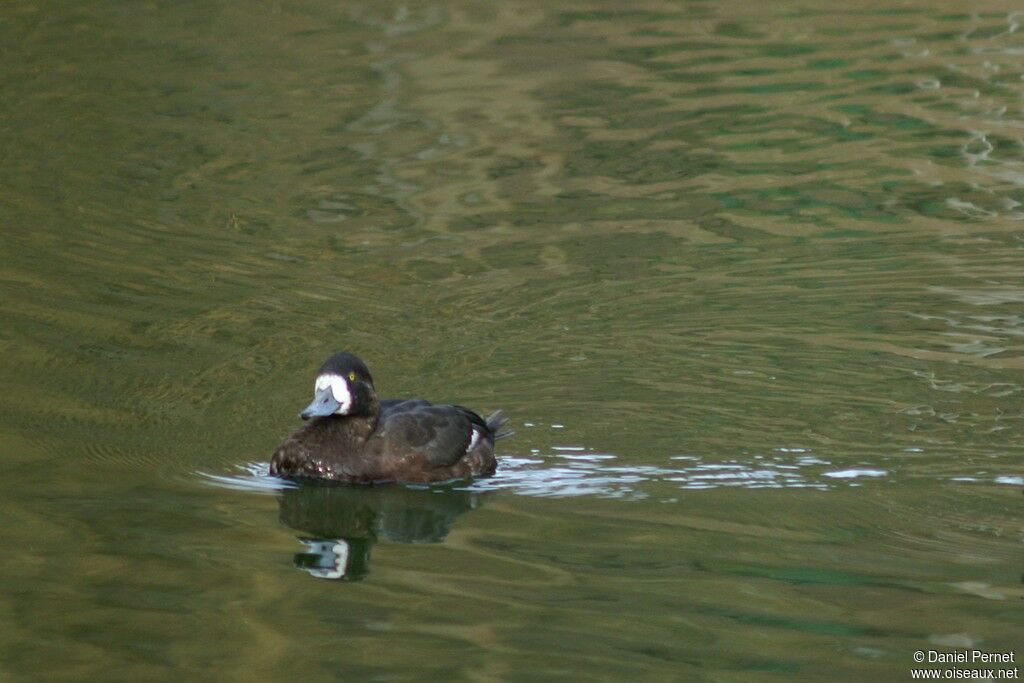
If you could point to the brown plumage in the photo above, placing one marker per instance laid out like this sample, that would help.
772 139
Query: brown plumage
354 437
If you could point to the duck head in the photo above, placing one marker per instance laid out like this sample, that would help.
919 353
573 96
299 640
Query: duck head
343 387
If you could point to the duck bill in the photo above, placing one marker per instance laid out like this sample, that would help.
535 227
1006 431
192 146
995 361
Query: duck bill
322 406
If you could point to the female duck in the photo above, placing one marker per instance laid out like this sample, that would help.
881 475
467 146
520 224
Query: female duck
354 437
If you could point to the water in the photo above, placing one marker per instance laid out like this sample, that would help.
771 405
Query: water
747 279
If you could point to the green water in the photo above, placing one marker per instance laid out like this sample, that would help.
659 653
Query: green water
748 278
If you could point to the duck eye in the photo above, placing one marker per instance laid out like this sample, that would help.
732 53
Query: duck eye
351 377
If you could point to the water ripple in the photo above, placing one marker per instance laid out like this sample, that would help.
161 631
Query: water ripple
565 472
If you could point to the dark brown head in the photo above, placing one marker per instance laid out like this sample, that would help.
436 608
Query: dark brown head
343 387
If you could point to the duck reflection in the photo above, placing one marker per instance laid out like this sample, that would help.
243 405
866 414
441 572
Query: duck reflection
344 522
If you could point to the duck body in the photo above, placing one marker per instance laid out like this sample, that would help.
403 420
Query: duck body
353 437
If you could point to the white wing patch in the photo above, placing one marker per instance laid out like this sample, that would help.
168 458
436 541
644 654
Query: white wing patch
474 438
339 389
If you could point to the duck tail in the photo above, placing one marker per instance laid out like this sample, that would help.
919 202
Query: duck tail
496 421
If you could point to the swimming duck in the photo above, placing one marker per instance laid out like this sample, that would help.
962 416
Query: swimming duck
354 437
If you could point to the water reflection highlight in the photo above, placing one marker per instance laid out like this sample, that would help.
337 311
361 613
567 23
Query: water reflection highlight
346 521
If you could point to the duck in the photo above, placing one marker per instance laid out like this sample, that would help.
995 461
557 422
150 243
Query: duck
352 437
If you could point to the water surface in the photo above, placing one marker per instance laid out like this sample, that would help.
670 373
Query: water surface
747 279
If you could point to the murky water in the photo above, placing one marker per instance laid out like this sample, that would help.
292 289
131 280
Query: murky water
749 280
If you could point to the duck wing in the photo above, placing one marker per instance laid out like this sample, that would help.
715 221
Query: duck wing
397 405
442 433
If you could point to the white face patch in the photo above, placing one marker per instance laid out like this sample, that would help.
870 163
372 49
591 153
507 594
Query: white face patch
339 389
333 557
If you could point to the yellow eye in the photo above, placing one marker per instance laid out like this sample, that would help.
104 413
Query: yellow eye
351 377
